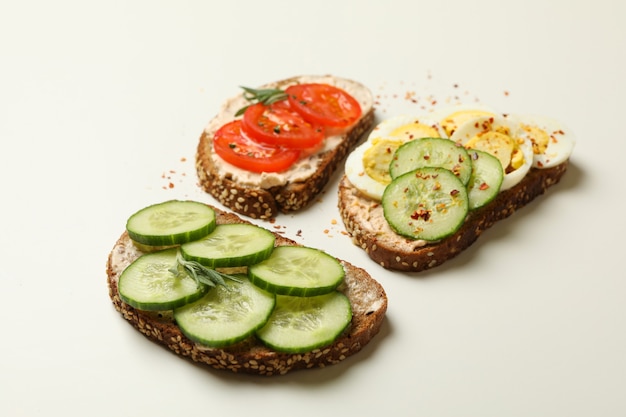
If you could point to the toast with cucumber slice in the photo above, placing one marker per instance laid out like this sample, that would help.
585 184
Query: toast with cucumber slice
223 292
274 148
414 203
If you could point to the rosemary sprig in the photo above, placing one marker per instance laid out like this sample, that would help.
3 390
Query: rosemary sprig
200 273
264 95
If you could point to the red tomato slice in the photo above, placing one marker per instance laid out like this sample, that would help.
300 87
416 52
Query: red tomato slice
324 104
279 125
234 147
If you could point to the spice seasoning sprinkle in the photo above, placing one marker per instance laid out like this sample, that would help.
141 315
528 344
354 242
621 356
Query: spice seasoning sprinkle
174 176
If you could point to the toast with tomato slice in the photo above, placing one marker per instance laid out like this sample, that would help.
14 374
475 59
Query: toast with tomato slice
267 159
367 298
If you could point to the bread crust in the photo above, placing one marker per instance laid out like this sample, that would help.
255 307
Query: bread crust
367 297
394 252
261 202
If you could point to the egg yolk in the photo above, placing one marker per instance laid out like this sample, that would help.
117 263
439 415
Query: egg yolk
538 137
517 159
456 119
500 145
376 158
415 130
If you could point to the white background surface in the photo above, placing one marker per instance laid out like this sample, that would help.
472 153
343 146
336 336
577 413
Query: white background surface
101 106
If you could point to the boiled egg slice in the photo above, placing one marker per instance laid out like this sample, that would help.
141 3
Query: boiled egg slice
407 128
449 119
551 141
367 167
500 137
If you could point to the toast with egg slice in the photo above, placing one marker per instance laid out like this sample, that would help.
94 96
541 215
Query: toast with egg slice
264 195
367 299
540 162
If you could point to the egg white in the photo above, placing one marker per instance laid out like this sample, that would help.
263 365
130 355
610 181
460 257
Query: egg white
560 145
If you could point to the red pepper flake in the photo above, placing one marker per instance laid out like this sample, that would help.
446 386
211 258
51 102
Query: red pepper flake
483 186
506 93
454 192
171 185
421 214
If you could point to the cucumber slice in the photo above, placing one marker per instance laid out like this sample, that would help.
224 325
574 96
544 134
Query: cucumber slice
486 178
149 284
431 152
227 314
301 324
298 271
428 204
171 223
231 245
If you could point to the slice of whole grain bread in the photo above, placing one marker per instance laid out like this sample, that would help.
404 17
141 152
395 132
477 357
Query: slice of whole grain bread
365 222
263 196
367 298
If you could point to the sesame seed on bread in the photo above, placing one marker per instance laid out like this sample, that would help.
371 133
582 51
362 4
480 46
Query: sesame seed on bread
367 298
364 221
263 196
